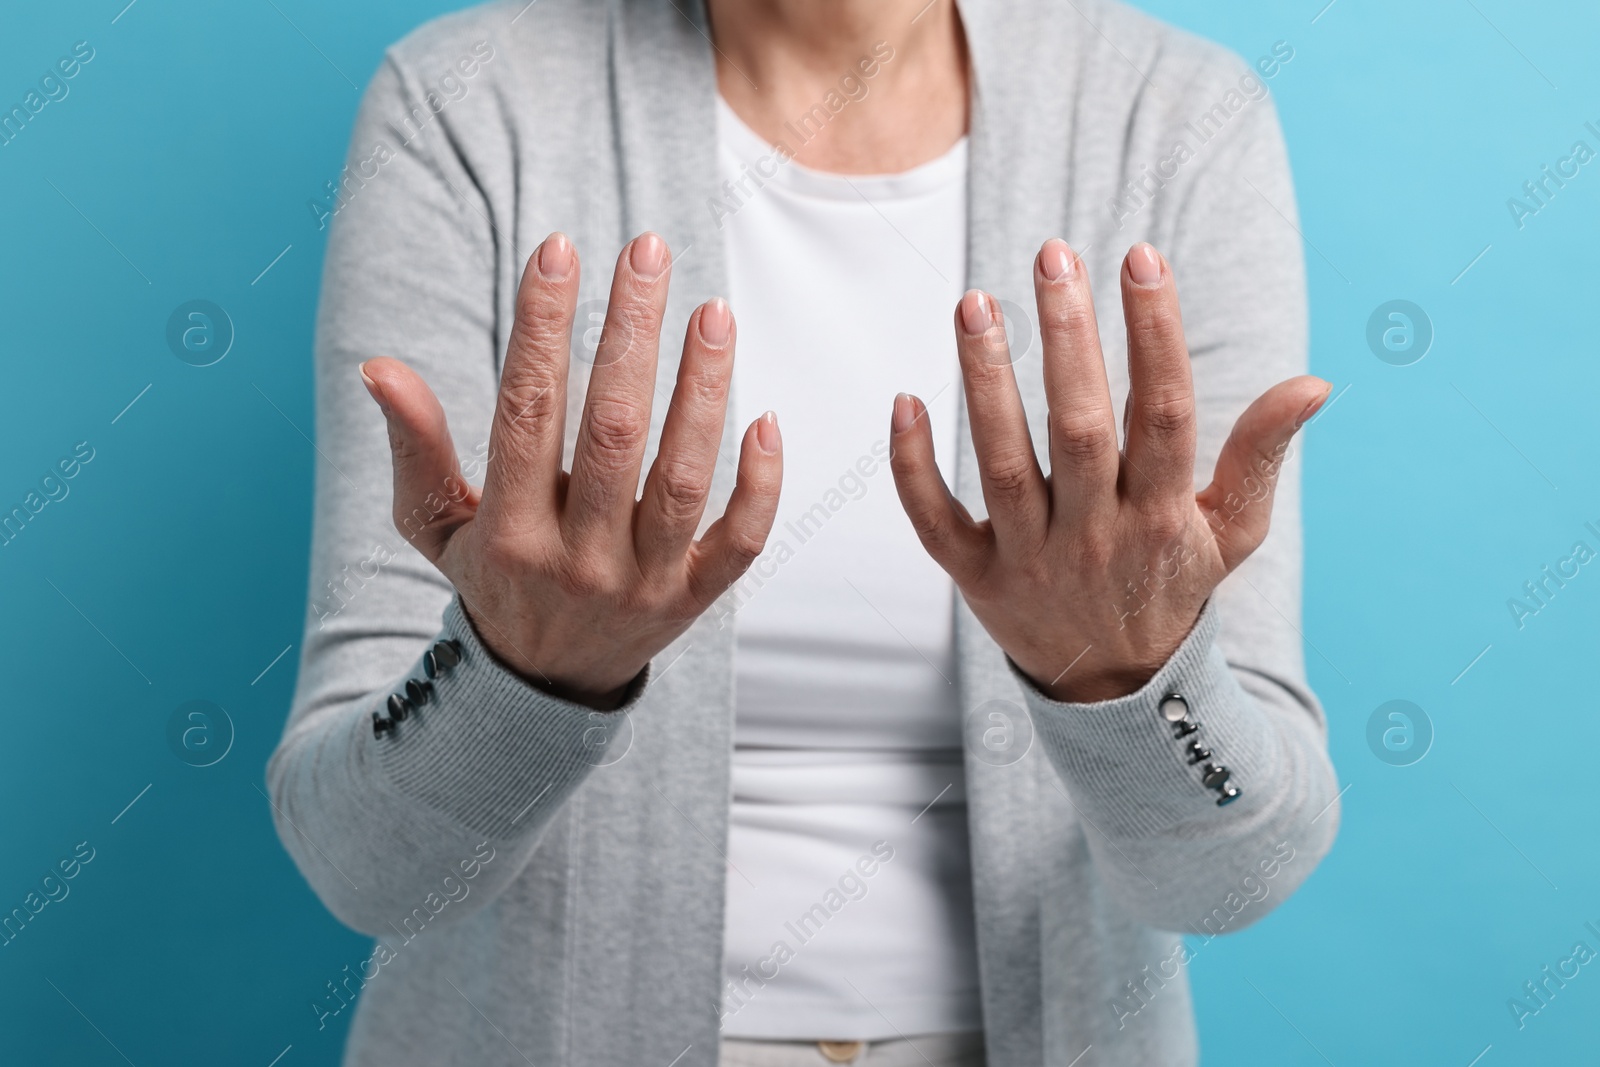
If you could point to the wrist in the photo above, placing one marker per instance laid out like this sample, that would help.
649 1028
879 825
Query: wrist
1103 672
1093 688
595 693
595 699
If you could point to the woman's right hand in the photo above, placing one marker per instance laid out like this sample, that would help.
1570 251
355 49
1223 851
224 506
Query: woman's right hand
573 580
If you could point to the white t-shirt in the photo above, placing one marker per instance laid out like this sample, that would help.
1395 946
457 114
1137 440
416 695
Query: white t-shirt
849 911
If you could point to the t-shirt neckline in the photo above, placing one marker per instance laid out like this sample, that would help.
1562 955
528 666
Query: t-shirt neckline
753 150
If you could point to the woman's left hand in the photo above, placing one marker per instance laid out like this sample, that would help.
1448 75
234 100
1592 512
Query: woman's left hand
1091 578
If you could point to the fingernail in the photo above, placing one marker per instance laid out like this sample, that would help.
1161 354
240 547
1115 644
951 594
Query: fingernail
1056 259
555 257
905 413
975 315
648 256
374 389
716 324
767 433
1144 266
1313 407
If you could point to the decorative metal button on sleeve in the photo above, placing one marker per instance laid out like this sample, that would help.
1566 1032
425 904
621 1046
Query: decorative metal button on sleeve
440 658
1174 709
436 662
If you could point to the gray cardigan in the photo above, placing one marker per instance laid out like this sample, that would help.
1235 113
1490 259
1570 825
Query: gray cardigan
546 883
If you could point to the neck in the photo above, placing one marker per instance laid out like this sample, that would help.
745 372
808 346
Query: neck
885 81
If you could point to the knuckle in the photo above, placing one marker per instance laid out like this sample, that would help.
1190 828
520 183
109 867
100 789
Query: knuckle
763 481
1169 415
706 390
738 549
683 488
615 429
644 600
1038 575
542 320
505 556
1163 526
1009 473
630 329
1038 568
1157 328
529 398
986 373
744 547
409 522
929 526
584 579
902 461
401 450
1094 549
1082 438
1071 320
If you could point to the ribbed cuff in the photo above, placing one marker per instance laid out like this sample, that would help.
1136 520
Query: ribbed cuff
489 750
1123 764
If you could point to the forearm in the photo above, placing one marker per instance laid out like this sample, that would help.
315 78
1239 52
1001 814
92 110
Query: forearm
1169 852
375 823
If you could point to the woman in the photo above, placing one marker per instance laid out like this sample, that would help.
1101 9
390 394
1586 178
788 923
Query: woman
694 773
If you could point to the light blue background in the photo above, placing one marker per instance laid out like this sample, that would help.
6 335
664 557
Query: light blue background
179 167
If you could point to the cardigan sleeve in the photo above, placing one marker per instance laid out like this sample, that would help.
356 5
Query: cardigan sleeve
375 820
1170 852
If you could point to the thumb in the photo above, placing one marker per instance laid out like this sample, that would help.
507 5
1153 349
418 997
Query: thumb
431 498
1238 503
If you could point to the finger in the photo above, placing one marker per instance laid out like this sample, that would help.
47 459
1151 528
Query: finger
1083 426
431 498
946 530
734 541
1238 503
1013 485
526 435
616 412
675 491
1161 413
